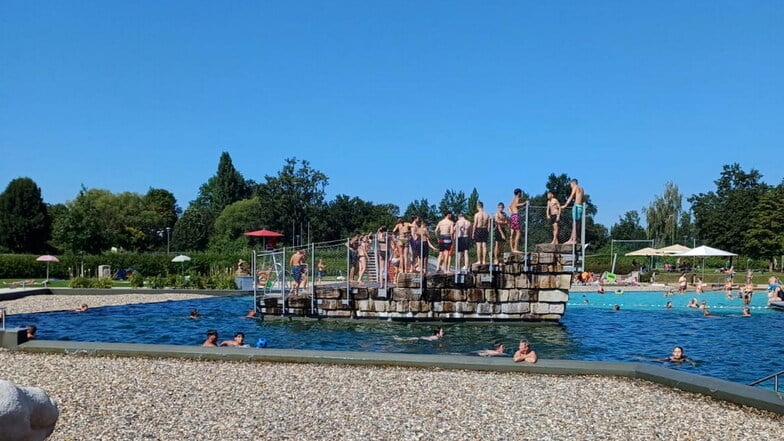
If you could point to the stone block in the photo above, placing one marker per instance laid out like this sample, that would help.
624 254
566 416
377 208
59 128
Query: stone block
527 295
503 295
491 295
359 294
380 305
523 280
486 280
475 295
338 313
328 293
557 308
465 307
484 308
401 306
540 308
448 306
545 281
454 295
563 281
553 296
512 268
438 280
409 280
365 305
515 308
401 294
507 281
432 295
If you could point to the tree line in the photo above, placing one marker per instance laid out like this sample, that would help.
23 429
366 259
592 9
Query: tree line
743 214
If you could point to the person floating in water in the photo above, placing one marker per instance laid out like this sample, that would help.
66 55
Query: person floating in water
616 307
677 356
194 314
212 338
668 305
525 353
746 312
238 341
498 350
82 308
251 313
437 335
31 329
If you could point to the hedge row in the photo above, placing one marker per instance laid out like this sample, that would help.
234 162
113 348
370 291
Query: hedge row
24 266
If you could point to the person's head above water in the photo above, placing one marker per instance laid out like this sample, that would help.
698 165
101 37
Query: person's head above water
439 332
677 354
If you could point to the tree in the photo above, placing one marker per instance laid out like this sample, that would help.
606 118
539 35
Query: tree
224 188
453 202
193 228
628 227
294 198
473 198
721 217
765 235
663 214
424 210
234 220
79 230
24 223
346 215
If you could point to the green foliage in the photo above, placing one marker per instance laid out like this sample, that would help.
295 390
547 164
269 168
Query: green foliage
237 218
424 210
102 282
344 216
628 227
24 223
157 282
136 280
765 234
663 214
453 202
293 198
80 282
721 217
473 198
225 188
193 229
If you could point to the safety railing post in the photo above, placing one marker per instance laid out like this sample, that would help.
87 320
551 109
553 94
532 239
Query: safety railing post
492 244
525 239
348 272
313 279
282 282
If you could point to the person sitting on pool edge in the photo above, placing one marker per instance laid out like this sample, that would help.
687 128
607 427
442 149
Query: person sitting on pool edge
237 341
31 332
212 338
498 349
525 353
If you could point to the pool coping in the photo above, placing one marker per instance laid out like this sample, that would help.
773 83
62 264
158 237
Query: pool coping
713 387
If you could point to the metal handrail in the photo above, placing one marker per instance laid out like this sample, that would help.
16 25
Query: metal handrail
774 377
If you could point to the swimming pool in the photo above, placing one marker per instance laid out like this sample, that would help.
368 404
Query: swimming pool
725 345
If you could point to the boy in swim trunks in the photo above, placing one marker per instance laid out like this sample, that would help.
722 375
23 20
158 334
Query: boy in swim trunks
514 219
462 231
499 232
403 231
578 194
296 262
445 229
553 215
481 232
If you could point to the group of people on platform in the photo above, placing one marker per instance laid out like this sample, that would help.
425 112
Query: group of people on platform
406 247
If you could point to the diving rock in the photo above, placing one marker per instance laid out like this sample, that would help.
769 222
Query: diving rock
26 413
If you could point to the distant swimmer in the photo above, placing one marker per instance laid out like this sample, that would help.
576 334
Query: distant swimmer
251 313
82 308
194 314
677 356
693 303
668 305
498 350
437 335
746 312
525 353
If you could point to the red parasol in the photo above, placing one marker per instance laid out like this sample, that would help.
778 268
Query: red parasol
272 235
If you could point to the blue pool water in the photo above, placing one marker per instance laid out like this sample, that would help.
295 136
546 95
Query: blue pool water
726 345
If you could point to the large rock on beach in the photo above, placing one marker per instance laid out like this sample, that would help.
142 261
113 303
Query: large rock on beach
26 413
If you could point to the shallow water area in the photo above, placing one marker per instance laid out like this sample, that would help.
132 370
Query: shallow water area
725 345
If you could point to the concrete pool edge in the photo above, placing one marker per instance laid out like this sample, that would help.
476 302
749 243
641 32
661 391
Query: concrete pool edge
716 388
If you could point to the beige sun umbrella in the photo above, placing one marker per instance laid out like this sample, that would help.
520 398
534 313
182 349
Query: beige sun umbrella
673 250
647 252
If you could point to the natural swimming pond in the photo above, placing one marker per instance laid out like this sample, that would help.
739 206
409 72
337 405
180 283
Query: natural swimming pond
725 345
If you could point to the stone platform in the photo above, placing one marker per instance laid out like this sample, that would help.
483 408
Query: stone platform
514 290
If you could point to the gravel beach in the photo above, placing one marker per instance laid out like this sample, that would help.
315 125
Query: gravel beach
61 302
104 398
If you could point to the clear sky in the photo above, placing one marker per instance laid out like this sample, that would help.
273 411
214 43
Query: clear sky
393 100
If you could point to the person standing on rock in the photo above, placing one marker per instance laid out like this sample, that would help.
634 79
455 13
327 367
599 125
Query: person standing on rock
480 233
578 195
514 219
499 232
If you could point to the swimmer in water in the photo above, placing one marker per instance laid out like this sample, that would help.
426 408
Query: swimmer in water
498 349
668 305
677 356
437 335
746 312
525 353
238 341
212 338
251 313
82 308
194 314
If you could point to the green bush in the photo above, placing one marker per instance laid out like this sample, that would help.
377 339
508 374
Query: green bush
80 282
136 280
157 282
102 282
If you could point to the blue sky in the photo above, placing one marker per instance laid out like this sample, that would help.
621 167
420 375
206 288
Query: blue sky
393 100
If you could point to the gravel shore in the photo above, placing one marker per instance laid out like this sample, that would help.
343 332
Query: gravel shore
60 302
105 398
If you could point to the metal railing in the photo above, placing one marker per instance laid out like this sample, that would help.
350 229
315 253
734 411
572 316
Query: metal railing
2 317
774 377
